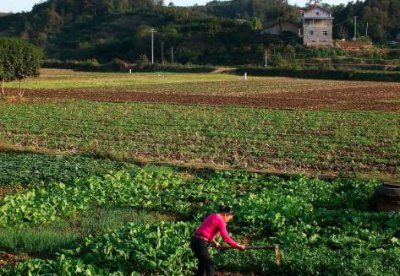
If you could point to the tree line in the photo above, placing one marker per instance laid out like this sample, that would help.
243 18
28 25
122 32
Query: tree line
220 32
378 20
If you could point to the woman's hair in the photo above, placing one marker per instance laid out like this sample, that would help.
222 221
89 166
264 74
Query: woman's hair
225 209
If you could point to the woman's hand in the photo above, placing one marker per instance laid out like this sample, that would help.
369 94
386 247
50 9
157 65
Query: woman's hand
215 243
241 247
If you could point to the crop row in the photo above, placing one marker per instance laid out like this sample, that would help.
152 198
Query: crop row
323 227
360 142
28 169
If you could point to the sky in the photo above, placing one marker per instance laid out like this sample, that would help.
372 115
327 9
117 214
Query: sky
26 5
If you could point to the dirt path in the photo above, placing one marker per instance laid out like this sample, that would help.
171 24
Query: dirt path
220 70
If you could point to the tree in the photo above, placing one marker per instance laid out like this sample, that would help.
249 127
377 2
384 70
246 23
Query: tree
289 52
313 2
256 24
142 61
18 59
6 68
2 70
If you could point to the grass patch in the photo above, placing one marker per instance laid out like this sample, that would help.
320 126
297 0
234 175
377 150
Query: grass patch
45 240
56 79
37 242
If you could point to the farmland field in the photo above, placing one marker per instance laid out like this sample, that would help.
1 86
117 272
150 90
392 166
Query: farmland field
104 173
214 89
225 137
321 226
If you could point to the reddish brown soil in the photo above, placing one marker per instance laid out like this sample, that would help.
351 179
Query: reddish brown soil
384 98
6 191
6 259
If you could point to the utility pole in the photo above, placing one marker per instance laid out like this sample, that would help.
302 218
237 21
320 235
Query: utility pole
266 58
172 54
366 30
162 52
355 28
152 45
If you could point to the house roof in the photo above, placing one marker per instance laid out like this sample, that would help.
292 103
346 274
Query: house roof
318 17
315 6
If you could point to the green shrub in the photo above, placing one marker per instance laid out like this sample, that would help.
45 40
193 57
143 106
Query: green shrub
393 54
18 60
142 61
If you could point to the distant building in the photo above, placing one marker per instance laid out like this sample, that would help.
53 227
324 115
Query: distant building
282 26
317 26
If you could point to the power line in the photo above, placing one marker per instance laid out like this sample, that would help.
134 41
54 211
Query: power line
340 23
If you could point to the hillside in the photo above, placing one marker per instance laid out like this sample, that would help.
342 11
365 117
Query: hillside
190 34
217 33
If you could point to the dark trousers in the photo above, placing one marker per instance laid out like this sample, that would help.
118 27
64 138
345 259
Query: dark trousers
200 250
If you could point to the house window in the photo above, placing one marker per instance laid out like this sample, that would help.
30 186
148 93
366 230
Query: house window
325 33
311 32
317 13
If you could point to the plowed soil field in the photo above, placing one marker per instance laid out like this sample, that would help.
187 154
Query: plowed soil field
386 97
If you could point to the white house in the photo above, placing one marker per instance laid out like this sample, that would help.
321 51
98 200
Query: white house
317 26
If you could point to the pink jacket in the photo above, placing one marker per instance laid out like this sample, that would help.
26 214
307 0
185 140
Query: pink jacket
212 226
